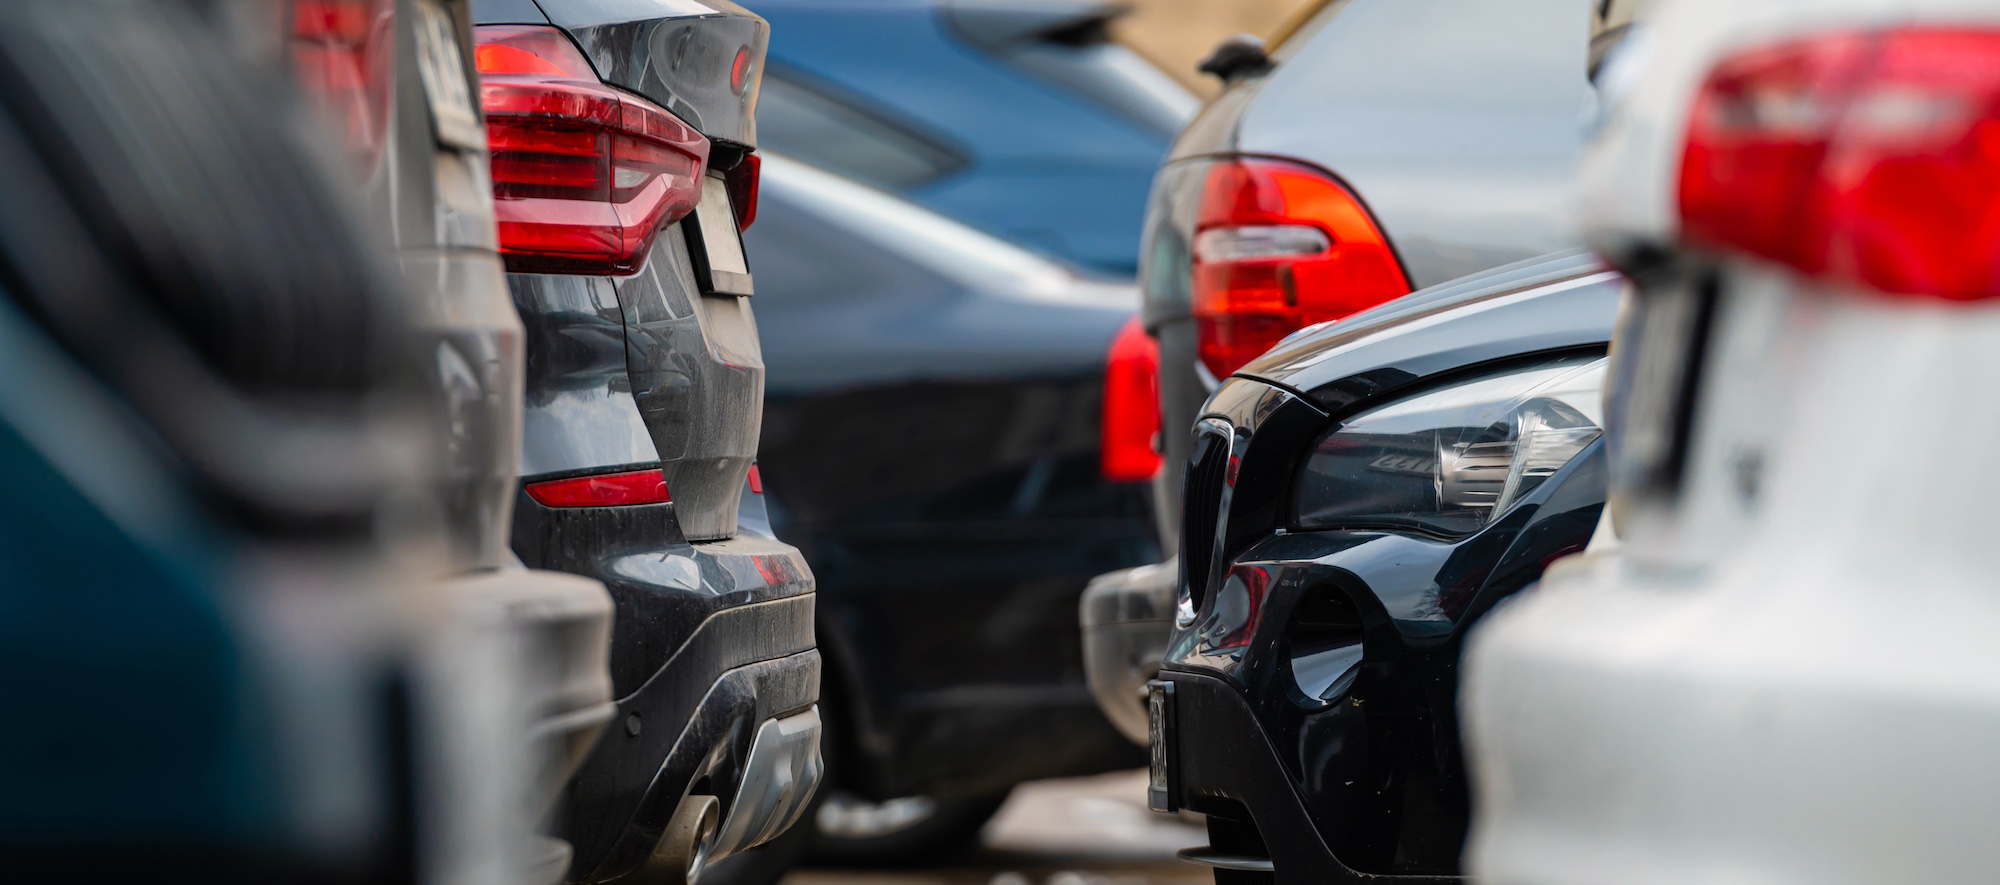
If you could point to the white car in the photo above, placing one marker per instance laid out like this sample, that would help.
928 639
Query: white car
1788 673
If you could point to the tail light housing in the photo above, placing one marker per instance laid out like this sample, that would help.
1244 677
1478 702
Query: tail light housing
1870 159
343 53
622 489
743 183
1278 246
1131 406
584 175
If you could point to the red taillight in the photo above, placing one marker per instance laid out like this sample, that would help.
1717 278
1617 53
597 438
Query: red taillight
584 175
602 490
344 56
756 480
1871 159
1131 406
743 181
1279 246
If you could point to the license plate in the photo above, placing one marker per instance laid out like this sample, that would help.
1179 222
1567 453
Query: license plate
448 85
1159 730
718 242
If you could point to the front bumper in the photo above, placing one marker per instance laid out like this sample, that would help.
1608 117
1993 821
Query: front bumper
1216 760
1126 618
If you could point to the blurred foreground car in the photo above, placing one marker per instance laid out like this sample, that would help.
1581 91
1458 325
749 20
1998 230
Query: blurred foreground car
1358 499
1787 673
228 661
1382 146
936 441
622 180
398 86
1024 120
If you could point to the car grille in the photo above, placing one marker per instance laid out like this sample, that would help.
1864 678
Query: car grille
1201 508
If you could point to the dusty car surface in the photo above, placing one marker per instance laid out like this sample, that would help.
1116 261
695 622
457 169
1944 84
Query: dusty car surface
624 169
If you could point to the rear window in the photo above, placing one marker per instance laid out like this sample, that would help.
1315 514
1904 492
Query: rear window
816 124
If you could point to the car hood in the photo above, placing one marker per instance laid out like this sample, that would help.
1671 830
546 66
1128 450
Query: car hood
1555 302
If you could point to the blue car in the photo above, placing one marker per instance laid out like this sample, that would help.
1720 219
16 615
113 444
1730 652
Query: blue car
1023 120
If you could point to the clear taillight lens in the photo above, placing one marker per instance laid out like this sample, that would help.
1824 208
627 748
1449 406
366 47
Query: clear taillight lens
1867 158
1279 246
1131 406
584 175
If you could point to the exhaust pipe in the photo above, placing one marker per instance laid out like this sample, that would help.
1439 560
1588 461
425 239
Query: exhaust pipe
685 847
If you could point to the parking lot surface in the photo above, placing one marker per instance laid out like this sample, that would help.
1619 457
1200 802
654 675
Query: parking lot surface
1083 831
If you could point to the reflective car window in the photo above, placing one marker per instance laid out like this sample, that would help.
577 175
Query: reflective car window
1114 78
939 244
813 124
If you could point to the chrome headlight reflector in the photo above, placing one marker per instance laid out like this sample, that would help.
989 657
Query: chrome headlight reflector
1454 458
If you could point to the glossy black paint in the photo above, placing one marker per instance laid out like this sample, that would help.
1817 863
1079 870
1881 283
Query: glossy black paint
931 443
681 54
1371 780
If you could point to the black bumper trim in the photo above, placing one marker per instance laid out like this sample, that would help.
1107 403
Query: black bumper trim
1215 749
693 719
713 747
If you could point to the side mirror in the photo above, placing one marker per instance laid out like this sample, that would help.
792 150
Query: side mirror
1238 57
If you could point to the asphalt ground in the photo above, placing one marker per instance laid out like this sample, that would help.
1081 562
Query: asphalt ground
1083 831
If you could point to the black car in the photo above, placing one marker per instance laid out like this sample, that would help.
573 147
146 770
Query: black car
955 439
1356 500
623 171
1381 146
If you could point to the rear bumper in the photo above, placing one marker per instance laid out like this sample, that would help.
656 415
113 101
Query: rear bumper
623 800
1126 617
711 641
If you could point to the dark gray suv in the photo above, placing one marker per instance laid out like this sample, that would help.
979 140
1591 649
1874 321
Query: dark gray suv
624 170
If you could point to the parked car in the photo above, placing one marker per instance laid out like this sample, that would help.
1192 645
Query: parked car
948 440
1358 499
228 661
396 82
1803 196
622 179
1026 121
1382 146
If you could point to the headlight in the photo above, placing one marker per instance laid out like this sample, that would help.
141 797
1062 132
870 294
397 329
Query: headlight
1454 458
